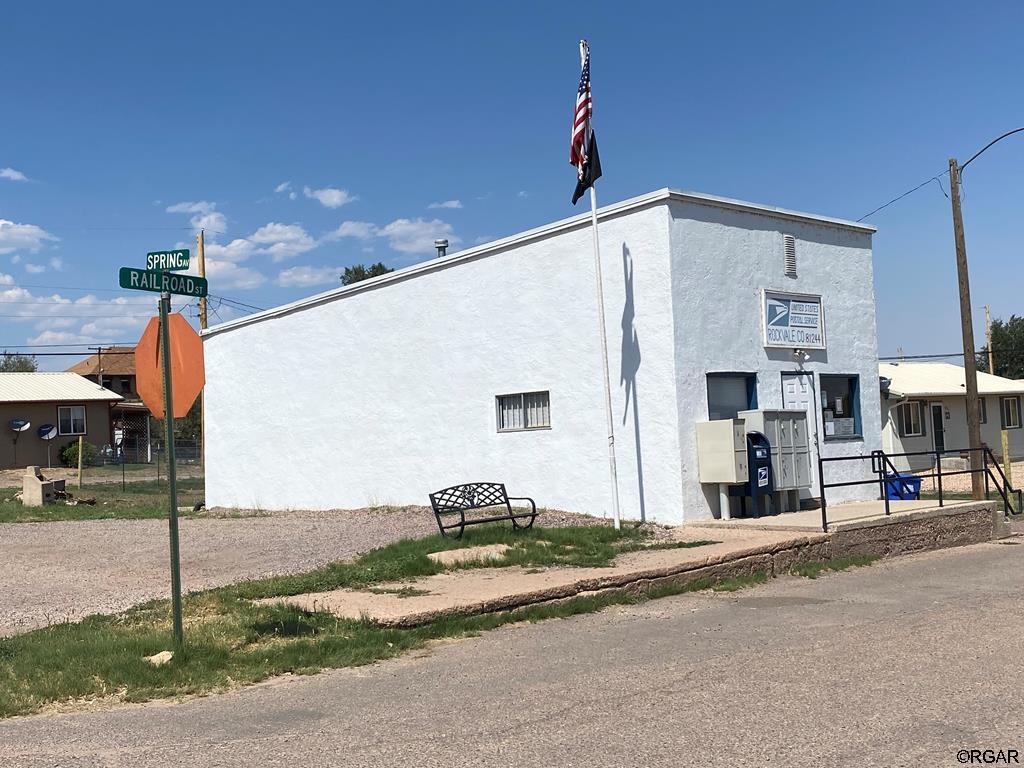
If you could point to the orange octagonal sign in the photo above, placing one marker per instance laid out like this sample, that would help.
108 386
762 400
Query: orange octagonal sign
188 374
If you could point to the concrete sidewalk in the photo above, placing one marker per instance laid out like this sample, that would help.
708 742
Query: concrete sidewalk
738 551
483 590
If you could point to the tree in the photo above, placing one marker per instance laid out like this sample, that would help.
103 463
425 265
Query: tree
13 362
358 272
1007 349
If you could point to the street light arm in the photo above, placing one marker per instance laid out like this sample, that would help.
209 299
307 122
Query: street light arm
994 141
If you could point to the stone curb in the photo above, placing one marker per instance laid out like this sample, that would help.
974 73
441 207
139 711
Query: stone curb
926 530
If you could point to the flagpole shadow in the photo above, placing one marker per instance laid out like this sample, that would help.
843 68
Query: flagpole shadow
630 367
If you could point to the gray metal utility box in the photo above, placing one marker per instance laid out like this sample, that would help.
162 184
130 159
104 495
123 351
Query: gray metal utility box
788 435
722 451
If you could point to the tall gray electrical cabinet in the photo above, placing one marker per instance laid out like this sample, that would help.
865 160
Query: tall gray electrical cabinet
788 435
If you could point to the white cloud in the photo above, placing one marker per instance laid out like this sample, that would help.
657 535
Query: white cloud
206 216
200 206
16 258
214 222
417 235
447 204
56 264
363 230
238 249
12 175
227 274
283 241
25 237
60 320
34 269
6 279
304 277
284 186
330 197
522 193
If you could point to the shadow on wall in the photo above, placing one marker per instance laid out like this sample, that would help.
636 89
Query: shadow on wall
630 367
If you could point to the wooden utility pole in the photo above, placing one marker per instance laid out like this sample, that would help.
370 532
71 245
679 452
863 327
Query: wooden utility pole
967 327
1003 434
201 253
988 341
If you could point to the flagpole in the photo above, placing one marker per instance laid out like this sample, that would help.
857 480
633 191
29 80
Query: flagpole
604 360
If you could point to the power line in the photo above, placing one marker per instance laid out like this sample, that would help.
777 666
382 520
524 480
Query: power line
61 354
937 179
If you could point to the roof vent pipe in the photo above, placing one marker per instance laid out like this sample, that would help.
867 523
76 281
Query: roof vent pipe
442 247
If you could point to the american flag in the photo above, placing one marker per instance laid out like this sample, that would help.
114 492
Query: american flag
581 118
583 148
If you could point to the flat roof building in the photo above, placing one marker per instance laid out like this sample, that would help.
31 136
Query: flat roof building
486 364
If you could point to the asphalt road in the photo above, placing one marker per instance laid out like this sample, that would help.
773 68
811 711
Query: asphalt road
899 664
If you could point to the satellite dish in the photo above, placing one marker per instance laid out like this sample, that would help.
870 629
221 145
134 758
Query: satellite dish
47 432
17 427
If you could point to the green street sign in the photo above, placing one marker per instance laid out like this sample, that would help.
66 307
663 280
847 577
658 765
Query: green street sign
159 282
173 261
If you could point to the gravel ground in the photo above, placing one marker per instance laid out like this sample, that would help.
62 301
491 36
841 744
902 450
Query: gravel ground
53 572
962 483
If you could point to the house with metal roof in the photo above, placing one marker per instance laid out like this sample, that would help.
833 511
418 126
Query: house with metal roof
486 365
40 413
924 408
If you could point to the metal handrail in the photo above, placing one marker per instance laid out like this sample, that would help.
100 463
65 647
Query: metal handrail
882 466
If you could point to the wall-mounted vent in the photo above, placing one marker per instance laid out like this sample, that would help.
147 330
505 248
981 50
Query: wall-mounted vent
789 251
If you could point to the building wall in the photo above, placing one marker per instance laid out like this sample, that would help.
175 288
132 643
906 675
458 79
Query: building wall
386 394
31 450
721 260
955 432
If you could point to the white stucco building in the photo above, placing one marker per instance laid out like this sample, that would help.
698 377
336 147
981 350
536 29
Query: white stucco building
924 408
486 364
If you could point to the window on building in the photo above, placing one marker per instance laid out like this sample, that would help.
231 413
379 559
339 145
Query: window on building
840 406
71 419
524 410
984 410
911 416
730 393
1010 407
126 386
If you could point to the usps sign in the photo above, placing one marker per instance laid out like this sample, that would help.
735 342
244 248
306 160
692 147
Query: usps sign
793 320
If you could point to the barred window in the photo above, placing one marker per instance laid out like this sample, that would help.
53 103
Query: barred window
524 410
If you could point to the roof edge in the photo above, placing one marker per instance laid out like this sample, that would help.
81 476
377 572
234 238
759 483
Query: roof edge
521 238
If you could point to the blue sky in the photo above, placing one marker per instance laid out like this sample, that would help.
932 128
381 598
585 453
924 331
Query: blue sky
310 136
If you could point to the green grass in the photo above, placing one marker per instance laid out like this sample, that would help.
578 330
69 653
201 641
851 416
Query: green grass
814 569
139 501
231 641
583 546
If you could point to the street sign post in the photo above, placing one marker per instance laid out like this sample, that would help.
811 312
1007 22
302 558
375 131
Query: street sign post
162 282
161 277
173 261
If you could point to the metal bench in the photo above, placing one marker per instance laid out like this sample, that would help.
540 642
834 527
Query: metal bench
460 499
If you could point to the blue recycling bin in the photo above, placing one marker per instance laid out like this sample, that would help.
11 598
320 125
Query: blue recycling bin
902 487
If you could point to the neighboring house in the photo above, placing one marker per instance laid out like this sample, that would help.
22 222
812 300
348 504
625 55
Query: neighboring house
924 408
114 368
111 367
486 364
67 401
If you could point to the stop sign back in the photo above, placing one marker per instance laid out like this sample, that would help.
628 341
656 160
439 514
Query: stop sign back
188 373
